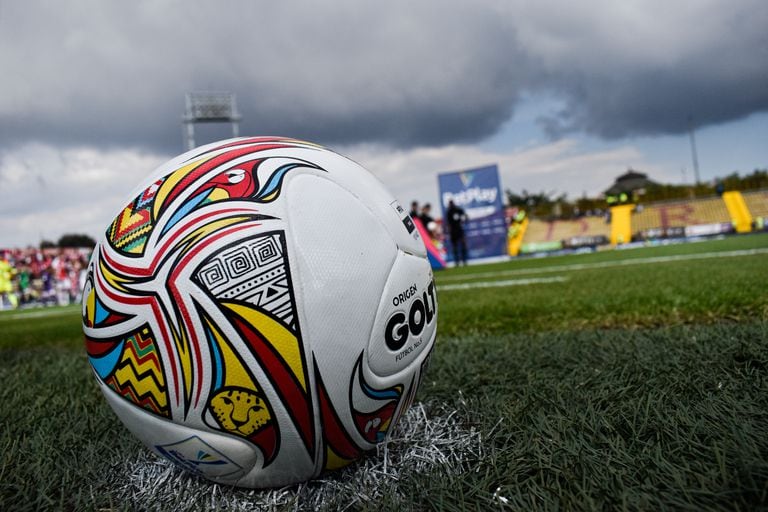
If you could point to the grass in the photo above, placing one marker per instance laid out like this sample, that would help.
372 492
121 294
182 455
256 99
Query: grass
669 418
636 387
755 241
643 294
47 327
57 436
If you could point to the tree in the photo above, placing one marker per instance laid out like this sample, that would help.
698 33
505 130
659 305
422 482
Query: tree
76 240
546 205
537 205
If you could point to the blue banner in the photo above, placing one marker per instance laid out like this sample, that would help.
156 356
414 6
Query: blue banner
478 193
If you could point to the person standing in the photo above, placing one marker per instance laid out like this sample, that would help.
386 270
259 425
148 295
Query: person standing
414 213
427 220
455 217
6 283
425 216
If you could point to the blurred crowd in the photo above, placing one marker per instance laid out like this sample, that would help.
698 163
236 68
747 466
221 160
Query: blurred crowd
41 277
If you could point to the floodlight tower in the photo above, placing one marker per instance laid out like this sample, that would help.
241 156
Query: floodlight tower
209 107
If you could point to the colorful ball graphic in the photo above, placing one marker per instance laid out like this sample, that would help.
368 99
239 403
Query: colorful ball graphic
261 311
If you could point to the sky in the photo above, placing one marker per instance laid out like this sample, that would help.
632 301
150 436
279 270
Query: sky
563 96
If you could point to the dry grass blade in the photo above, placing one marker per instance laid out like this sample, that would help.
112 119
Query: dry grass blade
428 440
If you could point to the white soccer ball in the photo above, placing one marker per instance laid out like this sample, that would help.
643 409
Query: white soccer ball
260 312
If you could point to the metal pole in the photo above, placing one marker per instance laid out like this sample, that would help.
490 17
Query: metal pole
190 135
695 156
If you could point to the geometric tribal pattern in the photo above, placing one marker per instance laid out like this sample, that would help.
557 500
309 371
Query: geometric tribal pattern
255 271
174 231
138 375
130 230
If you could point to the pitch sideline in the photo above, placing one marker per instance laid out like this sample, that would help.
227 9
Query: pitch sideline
607 264
500 284
39 313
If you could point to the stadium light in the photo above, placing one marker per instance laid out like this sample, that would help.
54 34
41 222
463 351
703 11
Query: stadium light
209 107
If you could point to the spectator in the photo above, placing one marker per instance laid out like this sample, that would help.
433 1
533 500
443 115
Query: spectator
7 297
42 276
414 213
455 217
425 216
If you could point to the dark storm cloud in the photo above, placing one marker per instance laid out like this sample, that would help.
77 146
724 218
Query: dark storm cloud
107 73
406 74
716 70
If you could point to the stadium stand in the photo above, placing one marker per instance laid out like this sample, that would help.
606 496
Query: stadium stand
757 202
671 216
733 211
585 231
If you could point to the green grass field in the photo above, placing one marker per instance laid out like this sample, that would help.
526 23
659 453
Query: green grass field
633 380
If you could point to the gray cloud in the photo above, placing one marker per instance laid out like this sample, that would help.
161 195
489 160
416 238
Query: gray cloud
113 74
713 70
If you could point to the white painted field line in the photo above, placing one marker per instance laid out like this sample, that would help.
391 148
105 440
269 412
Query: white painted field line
499 284
607 264
43 312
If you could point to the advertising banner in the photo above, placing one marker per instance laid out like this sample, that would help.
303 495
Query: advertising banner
478 193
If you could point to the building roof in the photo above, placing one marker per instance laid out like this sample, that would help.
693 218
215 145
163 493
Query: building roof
629 182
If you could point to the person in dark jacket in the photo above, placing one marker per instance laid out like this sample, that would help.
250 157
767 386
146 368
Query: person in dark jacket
414 213
426 216
455 218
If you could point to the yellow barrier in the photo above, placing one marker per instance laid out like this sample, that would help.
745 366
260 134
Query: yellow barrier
515 240
621 224
737 208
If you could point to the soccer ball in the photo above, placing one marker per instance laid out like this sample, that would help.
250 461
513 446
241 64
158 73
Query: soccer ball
261 311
